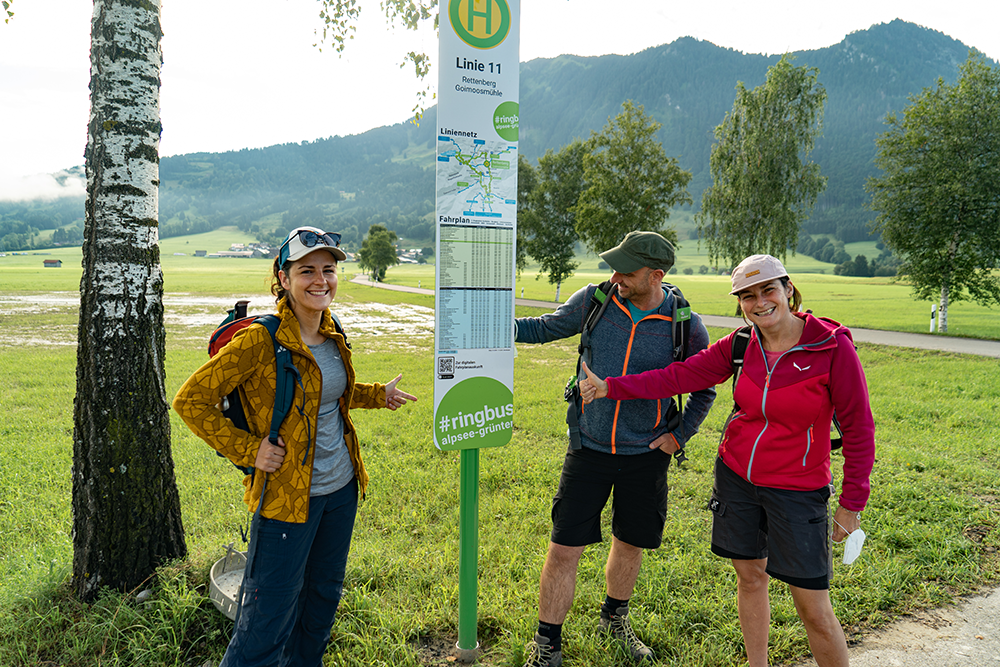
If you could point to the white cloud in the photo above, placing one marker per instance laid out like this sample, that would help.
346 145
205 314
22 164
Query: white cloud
251 77
66 183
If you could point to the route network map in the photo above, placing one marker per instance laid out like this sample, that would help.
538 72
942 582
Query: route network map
478 177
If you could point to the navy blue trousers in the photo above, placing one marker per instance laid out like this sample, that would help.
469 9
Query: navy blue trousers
291 594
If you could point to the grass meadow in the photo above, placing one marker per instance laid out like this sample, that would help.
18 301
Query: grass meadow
872 303
931 522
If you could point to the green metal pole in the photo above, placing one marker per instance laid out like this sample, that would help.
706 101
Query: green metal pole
468 557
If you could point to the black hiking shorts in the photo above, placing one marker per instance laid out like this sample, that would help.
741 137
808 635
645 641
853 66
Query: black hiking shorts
791 529
637 485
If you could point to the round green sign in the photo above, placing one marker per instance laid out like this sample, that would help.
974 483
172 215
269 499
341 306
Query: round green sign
482 24
478 412
505 120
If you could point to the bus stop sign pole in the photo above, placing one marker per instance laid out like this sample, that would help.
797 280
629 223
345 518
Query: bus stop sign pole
468 565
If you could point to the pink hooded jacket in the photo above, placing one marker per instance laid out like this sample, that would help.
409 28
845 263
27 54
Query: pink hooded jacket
780 437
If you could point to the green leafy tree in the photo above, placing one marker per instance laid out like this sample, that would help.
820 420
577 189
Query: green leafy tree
763 185
527 179
378 252
631 184
858 266
938 196
550 222
6 8
340 19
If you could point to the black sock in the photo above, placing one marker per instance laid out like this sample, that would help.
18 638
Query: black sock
611 605
553 633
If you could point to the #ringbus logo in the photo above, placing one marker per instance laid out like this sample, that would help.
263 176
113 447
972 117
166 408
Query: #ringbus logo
478 412
506 119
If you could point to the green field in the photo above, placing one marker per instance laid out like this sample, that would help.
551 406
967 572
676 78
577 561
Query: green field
932 519
872 303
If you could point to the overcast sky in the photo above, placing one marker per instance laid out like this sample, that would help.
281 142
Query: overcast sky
246 74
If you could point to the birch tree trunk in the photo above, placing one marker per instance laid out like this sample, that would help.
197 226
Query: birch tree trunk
126 509
943 310
946 283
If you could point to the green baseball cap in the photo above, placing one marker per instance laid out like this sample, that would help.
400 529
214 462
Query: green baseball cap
639 249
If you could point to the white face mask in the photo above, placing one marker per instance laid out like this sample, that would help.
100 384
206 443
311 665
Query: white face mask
853 544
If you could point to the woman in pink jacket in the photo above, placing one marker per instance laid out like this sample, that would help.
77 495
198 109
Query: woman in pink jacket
772 476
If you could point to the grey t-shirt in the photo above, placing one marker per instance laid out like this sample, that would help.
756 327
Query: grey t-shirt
332 467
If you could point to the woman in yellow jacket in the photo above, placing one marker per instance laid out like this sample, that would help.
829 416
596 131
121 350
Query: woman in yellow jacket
313 476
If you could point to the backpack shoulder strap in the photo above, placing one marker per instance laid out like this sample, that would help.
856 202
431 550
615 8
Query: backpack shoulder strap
286 376
680 331
599 301
838 442
681 318
741 341
340 329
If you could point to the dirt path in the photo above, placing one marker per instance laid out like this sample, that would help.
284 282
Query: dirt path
964 635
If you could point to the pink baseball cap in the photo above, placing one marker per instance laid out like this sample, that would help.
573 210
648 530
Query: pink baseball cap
756 269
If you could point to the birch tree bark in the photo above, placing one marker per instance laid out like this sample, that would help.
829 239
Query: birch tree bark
126 509
943 310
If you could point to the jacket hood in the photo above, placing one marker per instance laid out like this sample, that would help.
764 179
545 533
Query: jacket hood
820 332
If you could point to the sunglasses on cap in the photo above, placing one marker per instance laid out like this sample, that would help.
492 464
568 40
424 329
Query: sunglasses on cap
309 239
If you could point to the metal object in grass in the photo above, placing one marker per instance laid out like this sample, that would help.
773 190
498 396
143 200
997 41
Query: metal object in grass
224 581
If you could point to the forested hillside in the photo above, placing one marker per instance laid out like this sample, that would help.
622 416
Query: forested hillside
386 175
689 86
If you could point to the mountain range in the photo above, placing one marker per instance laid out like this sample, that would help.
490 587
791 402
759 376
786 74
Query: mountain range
386 175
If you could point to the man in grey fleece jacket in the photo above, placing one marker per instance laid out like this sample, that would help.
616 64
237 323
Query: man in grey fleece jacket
625 446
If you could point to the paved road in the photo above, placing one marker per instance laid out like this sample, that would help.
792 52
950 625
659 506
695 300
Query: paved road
983 348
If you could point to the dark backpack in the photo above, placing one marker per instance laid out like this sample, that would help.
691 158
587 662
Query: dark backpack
286 374
681 321
741 340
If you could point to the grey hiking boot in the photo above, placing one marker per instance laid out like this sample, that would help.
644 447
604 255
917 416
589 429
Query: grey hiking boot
540 653
617 625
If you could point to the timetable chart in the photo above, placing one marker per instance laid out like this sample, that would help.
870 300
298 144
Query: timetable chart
477 256
475 318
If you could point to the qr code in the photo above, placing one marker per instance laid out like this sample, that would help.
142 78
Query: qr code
446 367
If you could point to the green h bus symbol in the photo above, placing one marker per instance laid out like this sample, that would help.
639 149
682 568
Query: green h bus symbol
463 17
488 15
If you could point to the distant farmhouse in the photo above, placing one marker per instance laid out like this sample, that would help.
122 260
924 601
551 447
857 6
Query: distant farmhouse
264 251
245 254
52 263
243 251
411 256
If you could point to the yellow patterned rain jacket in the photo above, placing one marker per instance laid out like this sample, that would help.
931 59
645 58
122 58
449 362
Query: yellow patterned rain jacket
247 362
